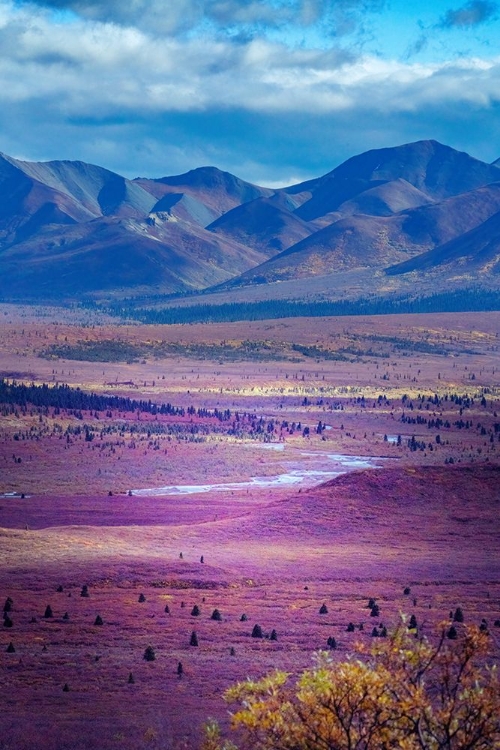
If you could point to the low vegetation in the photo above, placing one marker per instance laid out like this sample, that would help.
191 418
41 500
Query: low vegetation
404 692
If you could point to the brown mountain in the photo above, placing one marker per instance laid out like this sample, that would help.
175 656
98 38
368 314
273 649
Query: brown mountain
363 241
73 228
471 254
70 228
267 224
436 171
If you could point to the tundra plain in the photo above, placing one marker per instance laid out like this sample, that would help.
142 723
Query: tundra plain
307 462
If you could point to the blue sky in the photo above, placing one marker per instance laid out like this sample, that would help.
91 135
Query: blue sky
275 91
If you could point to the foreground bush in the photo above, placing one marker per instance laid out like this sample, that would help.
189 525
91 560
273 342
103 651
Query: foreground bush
402 693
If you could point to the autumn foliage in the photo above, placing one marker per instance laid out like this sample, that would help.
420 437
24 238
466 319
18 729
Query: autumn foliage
405 692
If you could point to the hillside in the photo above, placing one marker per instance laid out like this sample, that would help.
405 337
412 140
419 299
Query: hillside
70 229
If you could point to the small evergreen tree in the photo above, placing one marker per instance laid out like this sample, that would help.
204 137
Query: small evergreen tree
216 615
98 620
10 648
195 612
458 615
149 654
180 669
131 680
85 591
142 598
48 612
257 632
323 610
274 635
194 639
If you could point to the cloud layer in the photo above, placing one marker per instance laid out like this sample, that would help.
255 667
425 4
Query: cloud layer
156 88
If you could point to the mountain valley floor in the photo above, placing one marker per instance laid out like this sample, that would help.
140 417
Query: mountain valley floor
302 462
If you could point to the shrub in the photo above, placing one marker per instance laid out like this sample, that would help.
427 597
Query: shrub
142 598
458 615
195 612
59 589
350 627
413 622
149 654
98 620
257 632
452 633
180 669
331 643
375 612
167 609
10 648
66 688
391 697
216 615
85 591
243 618
371 603
274 635
323 610
131 680
7 621
407 591
375 633
232 651
48 611
65 616
193 641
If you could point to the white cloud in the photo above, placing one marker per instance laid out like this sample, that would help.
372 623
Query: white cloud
99 90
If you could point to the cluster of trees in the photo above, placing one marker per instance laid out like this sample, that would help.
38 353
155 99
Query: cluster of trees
74 399
458 301
405 692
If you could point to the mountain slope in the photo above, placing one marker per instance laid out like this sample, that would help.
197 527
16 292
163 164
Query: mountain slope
436 171
362 241
110 255
264 224
218 191
70 228
474 253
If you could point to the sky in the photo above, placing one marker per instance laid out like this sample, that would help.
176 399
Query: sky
274 91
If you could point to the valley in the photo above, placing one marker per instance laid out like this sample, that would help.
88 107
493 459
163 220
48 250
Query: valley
336 460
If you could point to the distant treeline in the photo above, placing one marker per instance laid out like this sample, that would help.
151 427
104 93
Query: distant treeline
76 400
459 301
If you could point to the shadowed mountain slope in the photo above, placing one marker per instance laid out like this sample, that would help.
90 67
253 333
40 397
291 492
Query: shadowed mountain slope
70 228
475 253
218 191
263 224
436 171
360 240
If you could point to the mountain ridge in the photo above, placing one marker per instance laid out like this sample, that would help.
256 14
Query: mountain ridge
73 229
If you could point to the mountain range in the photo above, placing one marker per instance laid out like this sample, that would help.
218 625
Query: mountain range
421 215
